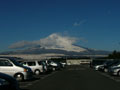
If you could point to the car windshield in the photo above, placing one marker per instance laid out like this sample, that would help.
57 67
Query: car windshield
16 63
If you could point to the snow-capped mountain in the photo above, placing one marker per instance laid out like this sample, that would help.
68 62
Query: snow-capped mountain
74 51
54 43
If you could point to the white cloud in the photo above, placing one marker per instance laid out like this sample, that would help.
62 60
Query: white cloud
53 41
79 23
21 44
56 40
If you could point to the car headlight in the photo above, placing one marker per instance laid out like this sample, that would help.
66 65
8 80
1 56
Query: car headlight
116 70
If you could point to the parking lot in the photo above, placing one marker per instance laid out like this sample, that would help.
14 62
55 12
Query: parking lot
36 79
80 77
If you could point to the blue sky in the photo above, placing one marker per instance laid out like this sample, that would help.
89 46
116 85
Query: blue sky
97 22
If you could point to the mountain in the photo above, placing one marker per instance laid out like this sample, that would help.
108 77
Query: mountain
74 50
54 43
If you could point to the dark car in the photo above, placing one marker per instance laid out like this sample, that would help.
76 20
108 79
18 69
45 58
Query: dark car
108 64
96 62
8 83
49 67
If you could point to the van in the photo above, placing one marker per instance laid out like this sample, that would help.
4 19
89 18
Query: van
14 69
36 67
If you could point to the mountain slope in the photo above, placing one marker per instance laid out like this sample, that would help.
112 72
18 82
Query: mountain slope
73 51
54 43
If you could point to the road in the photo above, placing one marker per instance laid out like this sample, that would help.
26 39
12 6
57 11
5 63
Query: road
74 78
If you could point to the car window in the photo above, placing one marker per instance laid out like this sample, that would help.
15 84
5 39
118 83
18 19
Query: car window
23 63
31 63
5 63
16 62
40 63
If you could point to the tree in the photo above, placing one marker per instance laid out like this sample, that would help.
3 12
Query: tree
114 55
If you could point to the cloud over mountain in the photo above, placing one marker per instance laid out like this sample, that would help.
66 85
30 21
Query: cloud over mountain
79 23
21 44
53 41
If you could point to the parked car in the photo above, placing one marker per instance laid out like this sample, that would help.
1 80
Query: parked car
115 65
8 83
63 64
54 65
45 68
108 64
36 66
96 62
14 69
49 67
114 71
97 67
59 65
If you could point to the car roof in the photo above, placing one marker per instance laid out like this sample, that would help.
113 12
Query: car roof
4 59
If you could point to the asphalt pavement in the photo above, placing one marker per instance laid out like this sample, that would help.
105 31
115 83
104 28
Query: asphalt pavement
73 78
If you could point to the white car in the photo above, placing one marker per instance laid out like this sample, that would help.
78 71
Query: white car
114 71
63 64
116 65
36 67
14 69
55 65
97 67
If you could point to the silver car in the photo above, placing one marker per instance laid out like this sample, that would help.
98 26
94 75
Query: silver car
14 69
114 71
35 66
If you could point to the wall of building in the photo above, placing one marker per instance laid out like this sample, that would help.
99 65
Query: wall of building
78 61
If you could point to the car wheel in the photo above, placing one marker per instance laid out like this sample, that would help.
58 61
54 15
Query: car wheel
37 72
19 77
